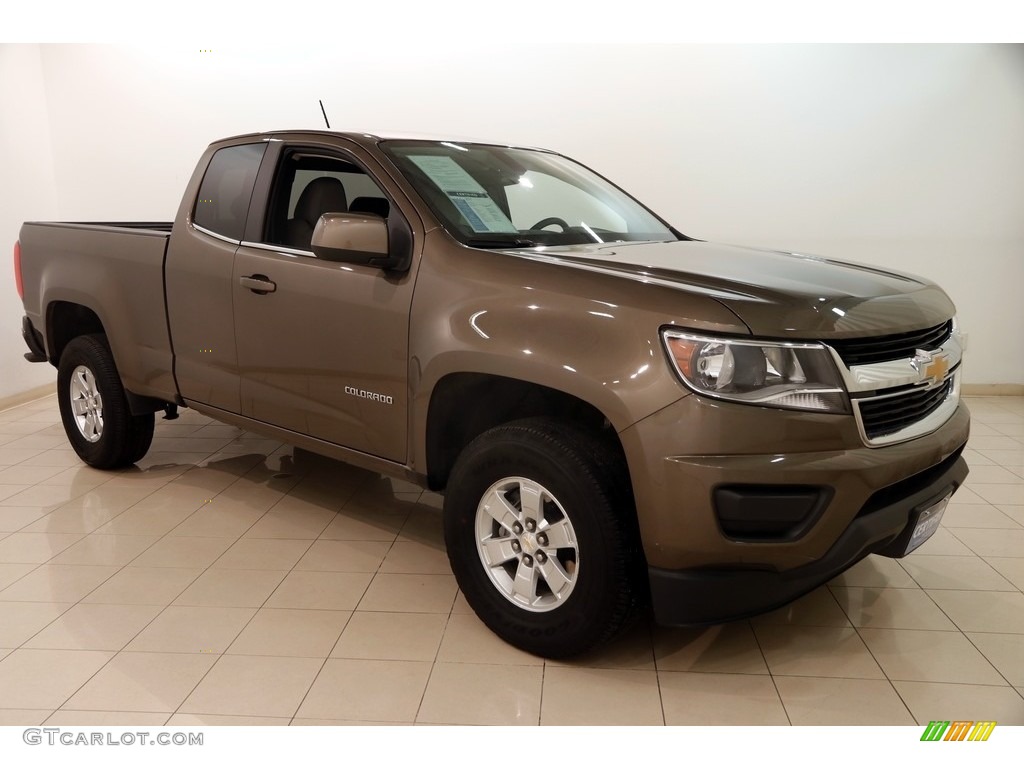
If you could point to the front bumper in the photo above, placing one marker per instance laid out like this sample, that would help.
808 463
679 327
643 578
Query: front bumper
682 458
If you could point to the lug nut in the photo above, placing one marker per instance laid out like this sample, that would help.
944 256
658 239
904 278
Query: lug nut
530 525
528 561
542 539
541 558
517 528
515 546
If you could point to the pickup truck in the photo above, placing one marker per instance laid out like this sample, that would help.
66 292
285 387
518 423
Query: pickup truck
617 414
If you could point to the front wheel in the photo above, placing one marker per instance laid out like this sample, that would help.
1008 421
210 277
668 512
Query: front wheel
541 536
94 408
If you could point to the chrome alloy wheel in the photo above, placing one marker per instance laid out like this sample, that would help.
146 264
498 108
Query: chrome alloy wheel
86 404
527 544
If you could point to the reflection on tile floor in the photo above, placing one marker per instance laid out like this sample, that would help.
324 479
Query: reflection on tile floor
228 579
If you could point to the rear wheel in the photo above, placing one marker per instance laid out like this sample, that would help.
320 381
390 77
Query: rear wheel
94 408
541 536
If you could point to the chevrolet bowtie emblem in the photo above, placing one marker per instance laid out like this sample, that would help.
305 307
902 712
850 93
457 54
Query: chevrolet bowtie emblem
933 367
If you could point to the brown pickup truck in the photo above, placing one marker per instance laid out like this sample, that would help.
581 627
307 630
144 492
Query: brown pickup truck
616 413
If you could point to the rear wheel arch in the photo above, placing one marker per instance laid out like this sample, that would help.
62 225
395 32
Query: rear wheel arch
65 321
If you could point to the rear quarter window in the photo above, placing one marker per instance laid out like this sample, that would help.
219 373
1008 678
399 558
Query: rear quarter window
224 195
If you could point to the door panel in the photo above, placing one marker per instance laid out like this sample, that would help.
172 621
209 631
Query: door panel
326 353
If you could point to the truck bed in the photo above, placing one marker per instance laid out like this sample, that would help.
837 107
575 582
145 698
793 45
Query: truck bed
116 270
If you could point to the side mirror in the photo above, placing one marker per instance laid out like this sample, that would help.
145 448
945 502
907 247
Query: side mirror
353 238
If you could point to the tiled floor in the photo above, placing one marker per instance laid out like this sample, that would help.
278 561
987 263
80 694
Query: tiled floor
230 579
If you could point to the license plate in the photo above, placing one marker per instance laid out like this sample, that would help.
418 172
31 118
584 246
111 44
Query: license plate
926 524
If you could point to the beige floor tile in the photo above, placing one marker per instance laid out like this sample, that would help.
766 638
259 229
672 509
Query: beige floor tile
143 586
424 524
24 475
940 657
955 572
350 525
946 701
983 611
891 608
20 621
263 554
816 652
579 696
409 593
391 636
414 557
986 542
467 639
16 518
1000 493
183 552
816 609
1005 458
35 547
291 521
1014 511
181 719
290 632
58 583
91 627
721 648
344 556
634 649
143 682
216 520
320 590
352 689
1011 568
66 717
977 516
189 629
841 701
65 520
11 572
44 679
1005 652
146 522
875 571
41 496
310 721
260 686
491 694
96 549
691 698
239 589
990 474
24 717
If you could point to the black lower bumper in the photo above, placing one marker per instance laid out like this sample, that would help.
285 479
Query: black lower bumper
34 341
710 596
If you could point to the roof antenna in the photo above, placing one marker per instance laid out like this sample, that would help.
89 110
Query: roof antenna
325 114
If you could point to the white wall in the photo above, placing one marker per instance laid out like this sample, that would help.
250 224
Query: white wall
27 191
909 157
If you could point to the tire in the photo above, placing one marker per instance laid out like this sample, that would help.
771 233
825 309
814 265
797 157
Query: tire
94 409
555 578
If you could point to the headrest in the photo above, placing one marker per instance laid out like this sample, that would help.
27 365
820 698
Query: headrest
322 195
377 205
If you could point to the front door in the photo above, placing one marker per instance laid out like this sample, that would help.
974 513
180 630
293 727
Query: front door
322 346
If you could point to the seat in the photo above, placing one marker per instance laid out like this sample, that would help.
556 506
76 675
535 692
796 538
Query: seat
377 205
323 195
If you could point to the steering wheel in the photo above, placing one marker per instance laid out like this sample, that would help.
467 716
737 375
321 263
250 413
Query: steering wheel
549 221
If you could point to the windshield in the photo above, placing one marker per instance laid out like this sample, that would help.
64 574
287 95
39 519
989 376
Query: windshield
489 196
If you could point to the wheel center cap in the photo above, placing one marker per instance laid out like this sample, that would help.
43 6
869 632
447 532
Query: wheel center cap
529 542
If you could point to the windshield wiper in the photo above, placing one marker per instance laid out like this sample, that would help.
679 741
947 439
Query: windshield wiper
497 242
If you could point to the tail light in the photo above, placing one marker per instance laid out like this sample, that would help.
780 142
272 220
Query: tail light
17 270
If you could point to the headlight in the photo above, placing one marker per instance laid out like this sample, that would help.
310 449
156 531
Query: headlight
777 374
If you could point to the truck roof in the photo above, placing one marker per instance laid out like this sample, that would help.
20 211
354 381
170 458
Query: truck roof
363 137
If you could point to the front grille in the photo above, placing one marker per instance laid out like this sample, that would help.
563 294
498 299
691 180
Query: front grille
896 346
891 414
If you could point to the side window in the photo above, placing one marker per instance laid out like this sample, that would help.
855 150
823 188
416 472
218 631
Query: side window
307 186
227 188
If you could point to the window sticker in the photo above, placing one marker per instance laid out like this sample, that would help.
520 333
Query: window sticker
473 202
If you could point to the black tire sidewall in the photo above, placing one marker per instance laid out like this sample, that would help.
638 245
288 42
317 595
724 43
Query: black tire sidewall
587 613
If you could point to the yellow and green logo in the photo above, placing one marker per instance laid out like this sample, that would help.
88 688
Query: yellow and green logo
958 730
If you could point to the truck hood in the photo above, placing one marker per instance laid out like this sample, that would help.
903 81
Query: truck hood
775 293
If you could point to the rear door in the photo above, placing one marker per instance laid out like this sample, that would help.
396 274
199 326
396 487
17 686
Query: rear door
323 346
198 275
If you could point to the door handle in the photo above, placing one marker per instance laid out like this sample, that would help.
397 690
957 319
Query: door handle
260 284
